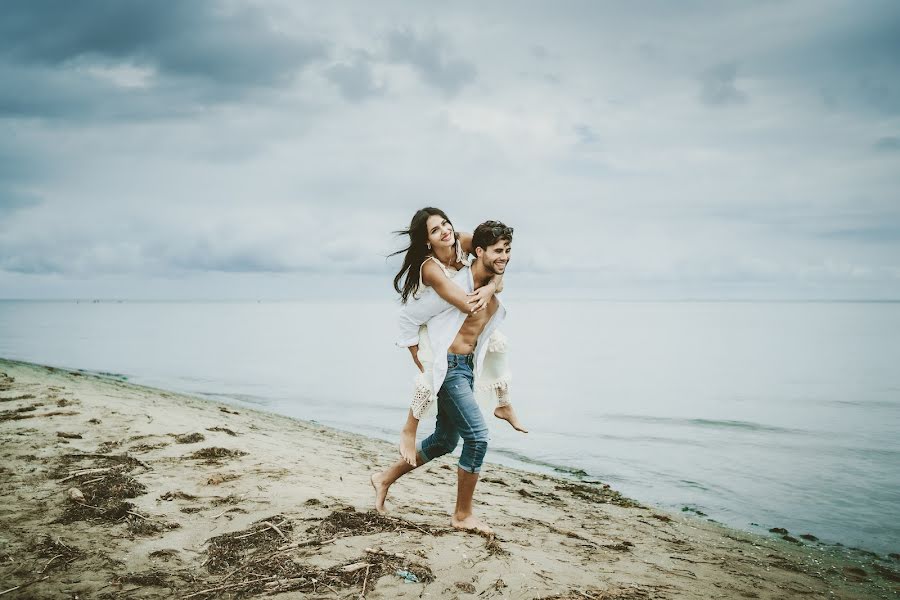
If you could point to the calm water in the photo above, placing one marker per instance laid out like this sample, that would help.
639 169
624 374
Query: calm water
774 414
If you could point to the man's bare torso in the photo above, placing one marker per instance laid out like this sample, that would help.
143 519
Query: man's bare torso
467 338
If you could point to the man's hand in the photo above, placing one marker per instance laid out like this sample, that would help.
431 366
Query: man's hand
480 297
414 351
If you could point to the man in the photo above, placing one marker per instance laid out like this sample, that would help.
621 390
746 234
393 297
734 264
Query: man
459 416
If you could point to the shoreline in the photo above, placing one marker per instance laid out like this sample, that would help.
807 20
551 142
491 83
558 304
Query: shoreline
506 458
190 491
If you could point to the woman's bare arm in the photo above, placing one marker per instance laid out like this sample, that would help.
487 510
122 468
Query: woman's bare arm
434 276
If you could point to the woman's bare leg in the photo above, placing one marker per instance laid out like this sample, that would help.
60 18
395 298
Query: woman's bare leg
408 439
383 480
507 413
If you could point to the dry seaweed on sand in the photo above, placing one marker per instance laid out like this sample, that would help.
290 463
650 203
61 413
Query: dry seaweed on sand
625 593
108 446
143 525
229 499
349 522
15 413
230 550
353 574
105 485
222 429
56 553
494 548
602 494
215 453
28 413
148 447
153 578
177 495
189 438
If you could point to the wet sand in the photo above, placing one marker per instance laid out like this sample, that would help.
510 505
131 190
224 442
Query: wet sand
112 490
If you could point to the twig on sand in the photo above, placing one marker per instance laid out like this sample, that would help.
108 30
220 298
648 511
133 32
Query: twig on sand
48 563
81 472
19 587
405 522
230 585
355 567
312 542
273 526
362 594
383 553
131 512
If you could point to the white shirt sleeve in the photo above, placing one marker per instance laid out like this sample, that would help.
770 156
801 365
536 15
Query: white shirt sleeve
412 315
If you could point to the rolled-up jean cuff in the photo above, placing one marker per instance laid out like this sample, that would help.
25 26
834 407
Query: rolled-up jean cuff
468 469
420 454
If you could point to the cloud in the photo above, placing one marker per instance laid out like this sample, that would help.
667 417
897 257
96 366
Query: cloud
65 59
717 86
274 140
429 57
354 78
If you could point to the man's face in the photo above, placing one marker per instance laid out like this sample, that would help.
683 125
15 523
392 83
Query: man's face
494 258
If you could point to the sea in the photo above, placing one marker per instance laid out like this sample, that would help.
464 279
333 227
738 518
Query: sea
753 414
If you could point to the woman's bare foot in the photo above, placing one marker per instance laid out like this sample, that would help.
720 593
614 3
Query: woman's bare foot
508 414
472 524
408 446
381 490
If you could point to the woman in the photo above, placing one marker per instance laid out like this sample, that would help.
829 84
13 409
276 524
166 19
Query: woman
435 265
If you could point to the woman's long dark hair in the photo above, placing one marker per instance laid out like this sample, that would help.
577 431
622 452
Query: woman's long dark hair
416 252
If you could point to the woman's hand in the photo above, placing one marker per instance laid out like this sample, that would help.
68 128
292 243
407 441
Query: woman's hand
480 297
414 351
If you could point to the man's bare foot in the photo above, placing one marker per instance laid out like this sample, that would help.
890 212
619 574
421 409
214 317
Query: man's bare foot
472 524
408 446
381 490
508 414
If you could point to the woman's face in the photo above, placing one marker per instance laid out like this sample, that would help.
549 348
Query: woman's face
440 232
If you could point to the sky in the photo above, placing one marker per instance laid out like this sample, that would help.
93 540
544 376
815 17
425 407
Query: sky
268 149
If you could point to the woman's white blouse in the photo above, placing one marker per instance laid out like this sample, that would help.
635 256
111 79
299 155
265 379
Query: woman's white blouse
443 322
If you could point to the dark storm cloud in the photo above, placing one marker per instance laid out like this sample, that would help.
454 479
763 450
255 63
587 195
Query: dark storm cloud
717 86
354 78
45 46
430 58
849 55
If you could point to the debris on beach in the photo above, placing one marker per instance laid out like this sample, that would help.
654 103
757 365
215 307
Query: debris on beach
57 553
598 493
189 438
222 429
214 454
75 495
218 478
350 522
177 495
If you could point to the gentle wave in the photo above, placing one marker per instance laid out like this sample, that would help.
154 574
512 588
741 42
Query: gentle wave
706 423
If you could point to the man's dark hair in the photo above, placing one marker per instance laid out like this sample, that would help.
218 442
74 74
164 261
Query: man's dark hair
489 233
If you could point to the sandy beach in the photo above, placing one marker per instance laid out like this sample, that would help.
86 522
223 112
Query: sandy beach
112 490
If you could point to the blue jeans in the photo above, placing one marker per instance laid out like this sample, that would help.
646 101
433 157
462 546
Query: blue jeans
458 417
